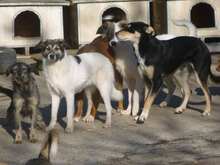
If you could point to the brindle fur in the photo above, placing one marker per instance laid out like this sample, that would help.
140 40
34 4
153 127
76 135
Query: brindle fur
25 99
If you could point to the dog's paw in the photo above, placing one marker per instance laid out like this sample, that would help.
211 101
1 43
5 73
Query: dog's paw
76 119
126 112
179 110
140 119
68 129
107 125
205 114
163 104
89 119
33 140
17 142
119 110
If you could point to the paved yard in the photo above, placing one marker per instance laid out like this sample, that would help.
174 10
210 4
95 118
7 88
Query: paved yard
165 138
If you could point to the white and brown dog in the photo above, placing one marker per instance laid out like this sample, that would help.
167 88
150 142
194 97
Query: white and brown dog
67 75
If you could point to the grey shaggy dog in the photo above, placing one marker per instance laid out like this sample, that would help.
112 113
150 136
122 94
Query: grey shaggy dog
25 99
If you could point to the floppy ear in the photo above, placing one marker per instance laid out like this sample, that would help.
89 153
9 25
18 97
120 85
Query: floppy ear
100 30
9 70
40 45
150 30
34 70
122 24
64 44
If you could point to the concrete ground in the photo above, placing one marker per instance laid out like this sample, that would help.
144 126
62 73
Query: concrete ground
165 138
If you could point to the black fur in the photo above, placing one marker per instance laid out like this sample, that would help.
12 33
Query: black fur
78 59
167 56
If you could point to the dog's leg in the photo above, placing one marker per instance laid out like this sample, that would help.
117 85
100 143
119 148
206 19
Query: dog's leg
131 87
32 138
153 90
96 98
79 98
18 127
182 79
70 112
54 111
171 88
119 82
203 84
88 117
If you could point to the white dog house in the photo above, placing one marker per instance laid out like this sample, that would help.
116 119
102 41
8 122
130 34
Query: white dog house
24 23
204 14
89 13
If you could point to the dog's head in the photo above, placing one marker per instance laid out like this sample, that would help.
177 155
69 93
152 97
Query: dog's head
53 50
21 72
108 30
133 31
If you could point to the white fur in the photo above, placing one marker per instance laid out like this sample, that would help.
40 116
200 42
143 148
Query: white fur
67 77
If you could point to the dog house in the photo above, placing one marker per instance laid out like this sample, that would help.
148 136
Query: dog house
86 16
204 14
24 23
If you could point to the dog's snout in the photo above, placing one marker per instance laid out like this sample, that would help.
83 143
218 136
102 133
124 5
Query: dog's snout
51 56
116 34
113 43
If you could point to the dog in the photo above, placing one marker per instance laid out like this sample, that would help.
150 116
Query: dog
125 58
50 147
25 99
67 75
158 59
99 45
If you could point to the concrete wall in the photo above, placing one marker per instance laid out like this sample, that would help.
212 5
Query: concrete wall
51 25
90 16
181 10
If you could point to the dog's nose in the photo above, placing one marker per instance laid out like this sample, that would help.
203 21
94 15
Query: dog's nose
113 43
51 56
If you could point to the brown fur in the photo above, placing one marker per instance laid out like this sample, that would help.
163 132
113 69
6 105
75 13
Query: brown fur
218 67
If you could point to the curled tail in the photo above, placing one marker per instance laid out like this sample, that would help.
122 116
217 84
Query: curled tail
116 95
191 28
214 78
6 91
50 147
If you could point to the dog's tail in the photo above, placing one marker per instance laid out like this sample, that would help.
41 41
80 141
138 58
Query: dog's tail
6 91
116 95
192 29
50 147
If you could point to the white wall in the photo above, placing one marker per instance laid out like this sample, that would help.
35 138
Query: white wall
178 10
51 25
90 16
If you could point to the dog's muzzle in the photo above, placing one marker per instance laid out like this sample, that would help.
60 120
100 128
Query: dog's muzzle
51 57
113 43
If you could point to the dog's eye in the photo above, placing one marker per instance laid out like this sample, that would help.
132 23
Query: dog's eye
48 48
24 69
57 48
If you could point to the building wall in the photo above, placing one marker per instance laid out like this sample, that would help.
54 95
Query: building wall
178 10
51 19
90 16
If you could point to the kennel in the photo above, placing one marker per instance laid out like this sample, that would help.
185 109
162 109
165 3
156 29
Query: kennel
86 16
24 23
204 14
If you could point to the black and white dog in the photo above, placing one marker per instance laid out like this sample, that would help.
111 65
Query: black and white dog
158 59
25 99
67 75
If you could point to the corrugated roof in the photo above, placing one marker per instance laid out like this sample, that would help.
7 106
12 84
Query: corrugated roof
34 3
103 1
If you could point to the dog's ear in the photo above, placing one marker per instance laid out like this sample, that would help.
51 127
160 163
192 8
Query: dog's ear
100 30
150 30
41 45
9 70
34 70
122 24
64 44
